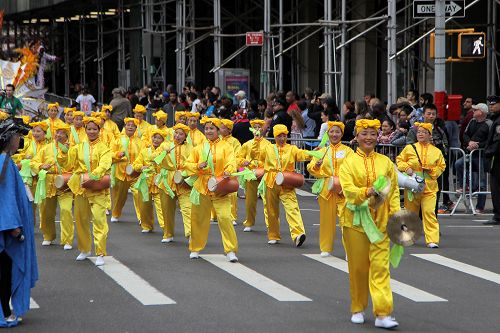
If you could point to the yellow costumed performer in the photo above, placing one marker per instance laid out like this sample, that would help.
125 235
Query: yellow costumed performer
212 158
90 158
426 161
160 124
175 155
367 178
125 150
106 136
330 198
68 115
49 163
52 121
195 136
77 130
143 126
281 158
110 125
180 117
245 160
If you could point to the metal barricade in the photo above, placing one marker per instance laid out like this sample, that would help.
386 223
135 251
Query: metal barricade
478 180
389 150
455 185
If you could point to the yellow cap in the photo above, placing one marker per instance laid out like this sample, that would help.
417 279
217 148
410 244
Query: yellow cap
78 114
206 120
367 123
427 126
139 109
160 115
135 121
106 107
26 119
182 127
162 133
66 110
42 124
179 114
193 114
339 124
87 120
53 105
63 127
254 122
228 123
279 129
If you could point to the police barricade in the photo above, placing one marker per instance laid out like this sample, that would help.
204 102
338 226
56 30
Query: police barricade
478 182
451 184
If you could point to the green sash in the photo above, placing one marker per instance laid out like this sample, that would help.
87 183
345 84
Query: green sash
86 159
41 190
75 135
25 172
397 252
363 218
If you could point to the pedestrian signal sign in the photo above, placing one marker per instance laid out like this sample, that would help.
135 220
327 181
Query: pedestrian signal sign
472 45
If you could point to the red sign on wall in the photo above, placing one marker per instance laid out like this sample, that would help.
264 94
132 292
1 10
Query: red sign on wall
255 38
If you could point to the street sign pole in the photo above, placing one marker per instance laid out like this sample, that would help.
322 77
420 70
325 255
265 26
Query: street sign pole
440 57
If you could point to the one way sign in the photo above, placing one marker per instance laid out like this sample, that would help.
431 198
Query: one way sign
426 8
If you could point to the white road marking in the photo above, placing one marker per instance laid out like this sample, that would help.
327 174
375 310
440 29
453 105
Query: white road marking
255 279
480 220
461 267
469 226
310 209
397 287
304 193
33 304
133 283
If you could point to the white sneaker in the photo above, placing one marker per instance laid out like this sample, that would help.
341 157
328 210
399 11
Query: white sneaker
247 229
107 212
167 240
358 318
114 219
272 242
300 240
235 223
12 318
46 243
430 245
194 255
386 322
99 261
146 231
83 256
67 247
325 254
232 257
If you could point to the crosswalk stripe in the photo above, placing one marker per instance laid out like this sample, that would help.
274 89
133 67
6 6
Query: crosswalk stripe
33 304
255 279
461 267
303 193
133 283
397 287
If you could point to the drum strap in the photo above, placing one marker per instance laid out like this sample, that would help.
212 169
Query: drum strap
54 151
33 145
416 152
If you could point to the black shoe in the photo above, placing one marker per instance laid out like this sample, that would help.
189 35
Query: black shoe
300 240
492 222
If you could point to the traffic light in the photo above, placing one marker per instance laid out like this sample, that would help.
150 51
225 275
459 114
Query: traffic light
471 45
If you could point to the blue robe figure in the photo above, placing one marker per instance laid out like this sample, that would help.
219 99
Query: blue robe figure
16 212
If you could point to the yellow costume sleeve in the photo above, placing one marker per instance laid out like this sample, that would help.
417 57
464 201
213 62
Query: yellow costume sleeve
439 165
353 193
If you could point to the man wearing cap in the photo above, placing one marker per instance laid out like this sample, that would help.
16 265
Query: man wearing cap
475 137
121 107
492 153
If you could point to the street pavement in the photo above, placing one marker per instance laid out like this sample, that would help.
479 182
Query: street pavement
147 286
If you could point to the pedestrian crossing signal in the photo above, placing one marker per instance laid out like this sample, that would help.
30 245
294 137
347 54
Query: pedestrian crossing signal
472 45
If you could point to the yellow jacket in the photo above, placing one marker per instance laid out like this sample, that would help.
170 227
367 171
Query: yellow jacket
132 148
111 127
223 158
100 164
30 149
357 174
330 167
173 161
77 135
288 155
432 159
107 137
196 137
52 127
233 142
245 153
50 154
145 158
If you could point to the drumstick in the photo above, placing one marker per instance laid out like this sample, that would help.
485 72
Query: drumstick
326 151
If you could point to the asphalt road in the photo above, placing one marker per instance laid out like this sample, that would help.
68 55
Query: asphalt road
78 297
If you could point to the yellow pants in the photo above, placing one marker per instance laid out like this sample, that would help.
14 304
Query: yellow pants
251 204
368 271
427 203
328 213
94 206
146 212
47 218
234 208
200 223
65 201
119 194
185 207
289 200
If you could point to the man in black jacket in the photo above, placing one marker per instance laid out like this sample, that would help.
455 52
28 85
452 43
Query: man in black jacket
280 117
492 153
475 137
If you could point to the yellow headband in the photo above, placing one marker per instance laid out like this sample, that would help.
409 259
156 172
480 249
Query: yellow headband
206 120
78 114
181 127
179 114
193 114
63 127
135 121
228 123
139 109
4 115
338 124
259 122
427 126
66 110
53 105
367 123
162 133
279 129
42 124
105 108
160 115
87 120
101 115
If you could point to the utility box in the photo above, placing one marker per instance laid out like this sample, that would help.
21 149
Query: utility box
454 111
